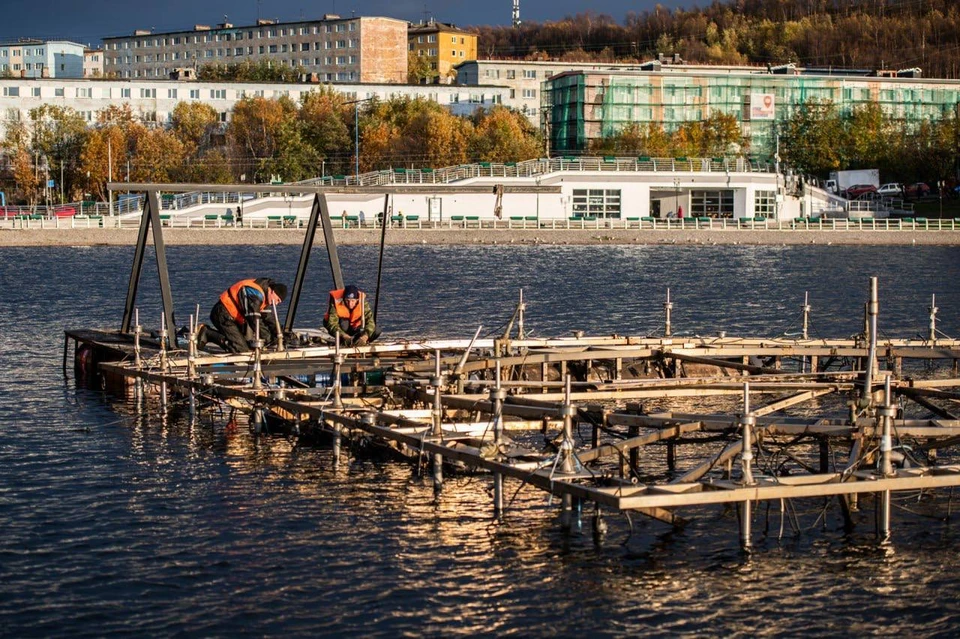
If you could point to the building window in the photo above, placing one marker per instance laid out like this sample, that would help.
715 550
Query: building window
172 94
602 203
194 94
148 93
85 92
218 94
711 204
765 204
530 73
35 92
125 93
58 92
529 93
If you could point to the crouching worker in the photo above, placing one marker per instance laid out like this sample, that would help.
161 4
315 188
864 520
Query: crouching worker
349 316
234 315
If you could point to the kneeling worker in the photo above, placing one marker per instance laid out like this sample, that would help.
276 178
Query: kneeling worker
349 315
234 313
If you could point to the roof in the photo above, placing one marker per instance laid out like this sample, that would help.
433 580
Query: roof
435 27
249 26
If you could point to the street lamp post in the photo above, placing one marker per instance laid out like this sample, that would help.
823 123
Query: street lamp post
356 132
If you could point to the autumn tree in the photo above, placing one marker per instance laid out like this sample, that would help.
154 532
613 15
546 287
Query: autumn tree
158 156
503 135
194 123
419 70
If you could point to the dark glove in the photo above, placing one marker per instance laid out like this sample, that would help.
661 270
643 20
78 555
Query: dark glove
362 340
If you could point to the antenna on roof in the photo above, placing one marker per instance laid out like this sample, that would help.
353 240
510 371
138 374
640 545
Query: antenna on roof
516 14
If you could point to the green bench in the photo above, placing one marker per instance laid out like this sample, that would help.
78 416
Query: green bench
413 218
165 219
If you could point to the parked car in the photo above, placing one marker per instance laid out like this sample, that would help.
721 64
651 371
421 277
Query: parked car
917 189
857 190
891 189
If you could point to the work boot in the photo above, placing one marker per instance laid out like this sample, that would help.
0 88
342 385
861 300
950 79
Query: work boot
202 338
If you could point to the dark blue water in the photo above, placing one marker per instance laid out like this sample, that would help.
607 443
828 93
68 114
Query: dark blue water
112 523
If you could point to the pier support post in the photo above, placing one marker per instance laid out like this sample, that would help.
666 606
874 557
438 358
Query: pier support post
257 348
337 444
438 382
667 309
747 422
886 414
137 356
497 395
338 360
933 320
163 362
566 461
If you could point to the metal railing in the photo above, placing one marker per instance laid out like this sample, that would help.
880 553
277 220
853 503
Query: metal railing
32 221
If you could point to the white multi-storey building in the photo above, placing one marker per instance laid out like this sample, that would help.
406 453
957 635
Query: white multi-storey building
29 58
155 100
361 49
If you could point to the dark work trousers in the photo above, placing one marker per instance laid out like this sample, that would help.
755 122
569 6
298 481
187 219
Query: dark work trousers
229 335
236 338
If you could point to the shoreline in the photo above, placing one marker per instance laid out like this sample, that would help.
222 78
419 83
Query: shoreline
708 237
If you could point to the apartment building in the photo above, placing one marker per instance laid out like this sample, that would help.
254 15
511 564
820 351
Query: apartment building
359 49
443 45
93 63
29 58
524 77
155 100
580 106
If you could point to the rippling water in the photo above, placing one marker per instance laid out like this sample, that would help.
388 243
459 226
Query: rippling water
112 523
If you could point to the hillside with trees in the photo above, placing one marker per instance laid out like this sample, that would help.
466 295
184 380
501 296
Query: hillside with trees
871 34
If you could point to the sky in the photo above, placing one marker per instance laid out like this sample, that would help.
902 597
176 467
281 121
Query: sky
87 21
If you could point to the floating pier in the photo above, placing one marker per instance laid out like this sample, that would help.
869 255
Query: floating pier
663 426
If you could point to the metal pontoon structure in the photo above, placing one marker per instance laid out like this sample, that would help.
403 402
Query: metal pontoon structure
799 418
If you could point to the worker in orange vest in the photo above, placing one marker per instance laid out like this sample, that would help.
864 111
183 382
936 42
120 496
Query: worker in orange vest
349 316
234 315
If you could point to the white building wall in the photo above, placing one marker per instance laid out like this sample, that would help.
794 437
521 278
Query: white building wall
160 97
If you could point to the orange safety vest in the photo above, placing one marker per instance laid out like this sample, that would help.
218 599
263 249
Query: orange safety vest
230 299
355 317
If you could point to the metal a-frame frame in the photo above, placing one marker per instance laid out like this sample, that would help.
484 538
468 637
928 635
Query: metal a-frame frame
150 219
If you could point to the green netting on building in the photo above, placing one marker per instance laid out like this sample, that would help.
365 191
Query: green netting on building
589 105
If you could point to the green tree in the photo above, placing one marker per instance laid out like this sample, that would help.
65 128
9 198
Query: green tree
812 138
59 134
324 119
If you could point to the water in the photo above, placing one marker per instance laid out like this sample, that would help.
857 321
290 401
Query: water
113 524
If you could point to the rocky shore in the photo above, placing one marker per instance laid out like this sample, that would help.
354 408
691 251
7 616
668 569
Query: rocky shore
228 236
